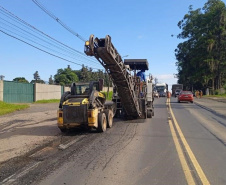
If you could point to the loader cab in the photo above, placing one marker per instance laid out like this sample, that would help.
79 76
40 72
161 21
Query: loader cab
86 88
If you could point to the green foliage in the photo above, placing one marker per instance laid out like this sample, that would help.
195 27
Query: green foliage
224 87
65 76
36 76
201 58
48 101
51 80
37 79
20 79
7 108
216 92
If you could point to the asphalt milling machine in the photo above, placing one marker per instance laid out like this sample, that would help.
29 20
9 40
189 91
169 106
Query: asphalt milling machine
86 106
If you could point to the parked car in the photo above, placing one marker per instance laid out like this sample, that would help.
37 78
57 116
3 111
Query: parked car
177 92
185 96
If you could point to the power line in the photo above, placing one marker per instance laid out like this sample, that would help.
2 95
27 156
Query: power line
58 20
56 44
27 33
41 49
32 28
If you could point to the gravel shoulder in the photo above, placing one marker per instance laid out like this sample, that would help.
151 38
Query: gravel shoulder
23 131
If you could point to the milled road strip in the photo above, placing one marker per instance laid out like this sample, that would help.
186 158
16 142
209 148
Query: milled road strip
65 146
192 157
11 179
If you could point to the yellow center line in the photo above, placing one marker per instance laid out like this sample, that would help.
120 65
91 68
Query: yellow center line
194 161
183 162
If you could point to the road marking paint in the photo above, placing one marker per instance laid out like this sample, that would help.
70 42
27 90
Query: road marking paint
14 177
183 161
194 161
65 146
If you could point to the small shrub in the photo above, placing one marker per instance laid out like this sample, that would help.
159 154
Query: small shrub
224 87
216 92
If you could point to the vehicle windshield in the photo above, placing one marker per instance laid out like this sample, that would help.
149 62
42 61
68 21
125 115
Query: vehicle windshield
82 89
160 88
178 90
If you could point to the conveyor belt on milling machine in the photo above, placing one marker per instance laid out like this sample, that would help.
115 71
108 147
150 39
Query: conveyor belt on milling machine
108 56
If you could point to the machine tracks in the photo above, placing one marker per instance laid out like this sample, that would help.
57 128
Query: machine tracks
91 150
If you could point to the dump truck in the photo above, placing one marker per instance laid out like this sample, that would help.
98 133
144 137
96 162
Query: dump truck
132 97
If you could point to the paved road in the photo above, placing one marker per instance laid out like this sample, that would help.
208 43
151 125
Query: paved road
205 132
132 152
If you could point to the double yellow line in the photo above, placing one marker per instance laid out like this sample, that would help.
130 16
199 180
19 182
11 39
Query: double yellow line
184 163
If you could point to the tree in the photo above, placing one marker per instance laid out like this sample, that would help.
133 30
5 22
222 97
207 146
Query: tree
65 76
20 79
201 59
156 80
36 76
85 75
51 80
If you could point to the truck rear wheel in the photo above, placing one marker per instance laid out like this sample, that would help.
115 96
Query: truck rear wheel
109 117
102 122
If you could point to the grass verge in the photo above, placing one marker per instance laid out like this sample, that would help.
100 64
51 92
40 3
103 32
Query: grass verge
48 101
217 96
7 108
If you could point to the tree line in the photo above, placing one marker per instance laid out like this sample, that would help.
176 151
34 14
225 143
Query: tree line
67 76
201 57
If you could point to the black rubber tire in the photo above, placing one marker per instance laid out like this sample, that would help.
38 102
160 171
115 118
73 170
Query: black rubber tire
149 114
191 101
109 117
178 101
102 122
152 112
63 98
63 130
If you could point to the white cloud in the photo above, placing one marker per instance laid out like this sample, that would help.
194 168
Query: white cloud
166 78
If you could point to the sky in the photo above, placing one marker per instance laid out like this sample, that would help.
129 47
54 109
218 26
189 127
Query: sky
140 29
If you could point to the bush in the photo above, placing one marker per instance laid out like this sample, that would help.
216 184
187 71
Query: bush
224 87
216 92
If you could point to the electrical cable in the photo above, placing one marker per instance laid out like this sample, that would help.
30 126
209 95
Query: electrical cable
22 21
40 33
34 36
58 20
41 49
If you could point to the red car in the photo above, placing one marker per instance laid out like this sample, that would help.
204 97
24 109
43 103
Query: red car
185 96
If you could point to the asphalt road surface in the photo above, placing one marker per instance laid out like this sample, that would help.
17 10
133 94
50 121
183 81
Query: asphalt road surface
181 144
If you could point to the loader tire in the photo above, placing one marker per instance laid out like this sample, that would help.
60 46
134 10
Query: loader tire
109 117
149 114
63 98
102 122
63 130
